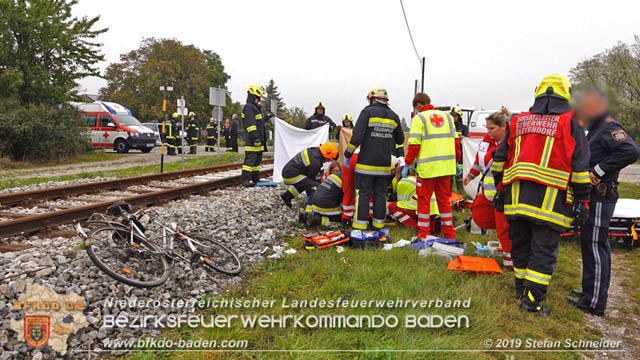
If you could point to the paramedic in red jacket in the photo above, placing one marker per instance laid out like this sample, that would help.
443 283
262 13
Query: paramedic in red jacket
483 212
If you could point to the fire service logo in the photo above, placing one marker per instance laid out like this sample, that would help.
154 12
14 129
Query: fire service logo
36 330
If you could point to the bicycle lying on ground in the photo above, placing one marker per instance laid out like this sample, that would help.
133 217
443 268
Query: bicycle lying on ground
117 243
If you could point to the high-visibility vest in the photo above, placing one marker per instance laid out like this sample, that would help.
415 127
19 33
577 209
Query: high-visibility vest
541 150
408 199
435 132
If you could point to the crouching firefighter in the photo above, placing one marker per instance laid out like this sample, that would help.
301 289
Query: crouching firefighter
253 132
611 151
302 173
326 202
541 167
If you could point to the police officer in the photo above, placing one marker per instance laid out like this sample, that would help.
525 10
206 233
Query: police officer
253 136
319 119
542 171
611 151
377 131
193 132
212 135
234 125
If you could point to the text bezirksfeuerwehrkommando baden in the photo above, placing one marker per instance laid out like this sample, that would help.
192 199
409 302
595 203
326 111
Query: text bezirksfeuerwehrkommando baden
286 303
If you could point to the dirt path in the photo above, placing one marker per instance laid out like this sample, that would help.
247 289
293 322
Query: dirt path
133 158
618 325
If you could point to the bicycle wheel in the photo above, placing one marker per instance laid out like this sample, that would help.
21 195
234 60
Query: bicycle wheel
217 256
141 265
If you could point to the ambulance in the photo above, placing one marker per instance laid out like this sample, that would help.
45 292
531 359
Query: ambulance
113 127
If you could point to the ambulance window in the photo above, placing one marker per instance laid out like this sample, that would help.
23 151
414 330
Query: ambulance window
105 120
90 120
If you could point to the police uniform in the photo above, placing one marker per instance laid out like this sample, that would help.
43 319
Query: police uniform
326 201
212 136
302 173
542 163
611 150
377 130
253 133
233 134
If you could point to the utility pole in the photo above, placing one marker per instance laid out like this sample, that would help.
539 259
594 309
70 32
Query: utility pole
423 64
164 89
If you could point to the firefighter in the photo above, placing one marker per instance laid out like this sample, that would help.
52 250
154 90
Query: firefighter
233 132
376 132
482 211
170 129
541 167
319 119
347 123
461 128
326 201
253 130
405 209
435 147
193 132
303 172
611 150
212 135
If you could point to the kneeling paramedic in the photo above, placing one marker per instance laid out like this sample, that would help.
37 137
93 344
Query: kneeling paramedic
611 150
303 172
542 167
326 201
253 136
405 210
377 131
435 147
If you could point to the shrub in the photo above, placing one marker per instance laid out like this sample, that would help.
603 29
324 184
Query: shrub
41 133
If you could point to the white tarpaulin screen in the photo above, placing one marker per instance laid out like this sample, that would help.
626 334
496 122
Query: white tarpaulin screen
469 150
290 140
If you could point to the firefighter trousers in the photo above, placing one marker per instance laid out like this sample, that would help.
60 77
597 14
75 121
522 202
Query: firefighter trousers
487 217
326 220
211 144
305 185
365 185
535 255
425 188
596 255
251 167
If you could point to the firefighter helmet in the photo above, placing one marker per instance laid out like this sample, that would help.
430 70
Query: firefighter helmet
175 115
192 114
256 90
329 150
378 93
347 117
456 110
320 105
555 85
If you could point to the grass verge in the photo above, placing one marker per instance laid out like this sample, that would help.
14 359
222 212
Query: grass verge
193 163
401 274
92 156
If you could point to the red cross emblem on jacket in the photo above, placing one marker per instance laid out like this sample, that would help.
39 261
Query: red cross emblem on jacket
436 120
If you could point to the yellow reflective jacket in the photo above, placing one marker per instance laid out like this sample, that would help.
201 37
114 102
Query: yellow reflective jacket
436 134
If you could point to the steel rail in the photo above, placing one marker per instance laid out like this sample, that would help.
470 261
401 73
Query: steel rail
38 222
13 199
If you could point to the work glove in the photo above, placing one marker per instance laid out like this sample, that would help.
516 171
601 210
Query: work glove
401 161
458 170
346 162
405 171
498 201
580 213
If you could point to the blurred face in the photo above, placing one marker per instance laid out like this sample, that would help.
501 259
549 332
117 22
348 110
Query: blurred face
320 111
591 106
335 170
347 123
456 117
496 132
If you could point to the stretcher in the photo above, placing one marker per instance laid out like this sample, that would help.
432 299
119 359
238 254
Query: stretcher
624 225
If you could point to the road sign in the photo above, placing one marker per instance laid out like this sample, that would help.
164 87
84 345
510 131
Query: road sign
217 114
183 111
181 103
217 97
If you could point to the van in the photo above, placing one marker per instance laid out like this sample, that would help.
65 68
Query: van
113 127
157 131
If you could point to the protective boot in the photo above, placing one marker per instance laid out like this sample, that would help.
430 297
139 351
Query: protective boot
532 305
246 180
287 197
255 177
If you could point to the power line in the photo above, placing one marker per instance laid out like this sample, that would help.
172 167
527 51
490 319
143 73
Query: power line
409 29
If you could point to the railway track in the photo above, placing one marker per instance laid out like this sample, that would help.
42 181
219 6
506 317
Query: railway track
29 212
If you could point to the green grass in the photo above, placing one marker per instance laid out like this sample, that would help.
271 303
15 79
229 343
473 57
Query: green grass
193 163
92 156
401 273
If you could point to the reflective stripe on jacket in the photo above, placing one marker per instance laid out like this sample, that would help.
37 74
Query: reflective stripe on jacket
436 134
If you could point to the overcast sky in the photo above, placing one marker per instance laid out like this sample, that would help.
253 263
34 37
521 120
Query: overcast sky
479 53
